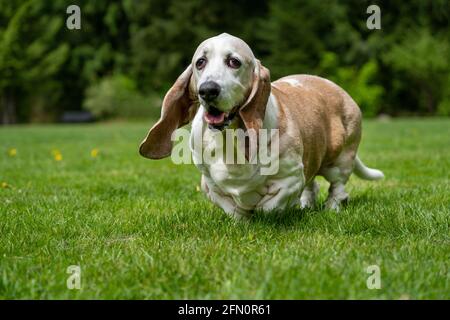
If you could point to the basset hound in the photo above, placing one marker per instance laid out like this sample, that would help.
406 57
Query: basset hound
226 88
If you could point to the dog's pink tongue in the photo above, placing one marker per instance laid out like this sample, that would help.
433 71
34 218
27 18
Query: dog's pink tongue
214 119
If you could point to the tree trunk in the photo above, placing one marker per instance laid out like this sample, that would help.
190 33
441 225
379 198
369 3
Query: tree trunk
8 114
430 103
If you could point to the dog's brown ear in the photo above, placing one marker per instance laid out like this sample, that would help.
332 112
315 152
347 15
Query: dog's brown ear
176 111
253 111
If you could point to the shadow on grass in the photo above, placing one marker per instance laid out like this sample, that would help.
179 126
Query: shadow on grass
361 200
289 218
296 217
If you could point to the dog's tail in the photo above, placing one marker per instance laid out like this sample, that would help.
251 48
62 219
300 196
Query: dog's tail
366 173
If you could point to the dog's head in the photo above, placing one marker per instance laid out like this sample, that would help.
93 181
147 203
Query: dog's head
226 79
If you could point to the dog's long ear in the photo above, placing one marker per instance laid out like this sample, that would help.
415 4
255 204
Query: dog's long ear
176 111
253 111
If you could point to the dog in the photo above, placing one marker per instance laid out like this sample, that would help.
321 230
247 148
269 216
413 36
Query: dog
318 123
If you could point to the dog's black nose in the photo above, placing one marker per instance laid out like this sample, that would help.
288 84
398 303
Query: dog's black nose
209 90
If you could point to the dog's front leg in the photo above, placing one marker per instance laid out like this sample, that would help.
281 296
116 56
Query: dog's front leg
284 189
226 202
282 194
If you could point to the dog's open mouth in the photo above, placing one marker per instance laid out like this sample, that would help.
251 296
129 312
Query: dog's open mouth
216 119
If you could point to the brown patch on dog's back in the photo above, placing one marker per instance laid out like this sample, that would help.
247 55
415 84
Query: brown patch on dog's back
326 116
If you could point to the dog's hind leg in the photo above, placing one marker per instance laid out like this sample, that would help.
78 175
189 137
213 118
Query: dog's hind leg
337 175
309 195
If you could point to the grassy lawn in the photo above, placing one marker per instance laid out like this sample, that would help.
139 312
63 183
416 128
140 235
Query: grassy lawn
141 229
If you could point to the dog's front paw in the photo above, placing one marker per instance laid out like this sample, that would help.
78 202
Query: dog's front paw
307 202
240 215
335 204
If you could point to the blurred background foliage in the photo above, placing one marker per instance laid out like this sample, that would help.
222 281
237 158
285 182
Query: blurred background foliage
128 52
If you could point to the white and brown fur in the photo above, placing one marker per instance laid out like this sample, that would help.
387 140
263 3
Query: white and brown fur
319 131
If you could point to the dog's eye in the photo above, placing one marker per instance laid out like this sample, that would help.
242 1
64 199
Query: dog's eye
200 64
233 63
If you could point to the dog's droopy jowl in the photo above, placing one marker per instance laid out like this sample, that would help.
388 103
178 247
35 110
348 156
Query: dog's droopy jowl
226 87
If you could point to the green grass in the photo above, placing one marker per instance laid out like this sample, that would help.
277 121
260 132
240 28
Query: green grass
140 229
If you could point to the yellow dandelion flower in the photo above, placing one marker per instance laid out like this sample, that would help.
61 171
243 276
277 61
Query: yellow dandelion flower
94 153
197 188
4 185
12 152
58 156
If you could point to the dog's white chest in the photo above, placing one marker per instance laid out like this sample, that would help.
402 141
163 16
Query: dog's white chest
240 181
243 187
